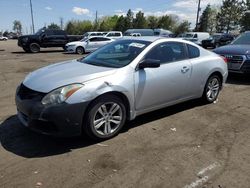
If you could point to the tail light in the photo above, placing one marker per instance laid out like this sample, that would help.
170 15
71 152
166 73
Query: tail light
225 59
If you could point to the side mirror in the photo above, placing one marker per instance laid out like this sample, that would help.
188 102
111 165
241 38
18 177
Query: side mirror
149 63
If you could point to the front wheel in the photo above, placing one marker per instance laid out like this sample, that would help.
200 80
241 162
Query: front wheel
106 116
80 50
34 48
212 89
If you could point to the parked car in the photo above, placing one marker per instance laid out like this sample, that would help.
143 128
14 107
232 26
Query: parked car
237 54
45 38
94 34
196 37
3 38
217 40
117 82
87 45
162 33
114 34
142 32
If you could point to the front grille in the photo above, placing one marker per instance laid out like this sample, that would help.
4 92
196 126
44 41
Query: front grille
25 93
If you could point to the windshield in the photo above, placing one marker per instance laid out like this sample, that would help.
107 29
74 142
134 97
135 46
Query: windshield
189 35
216 37
116 54
84 39
242 39
40 31
85 35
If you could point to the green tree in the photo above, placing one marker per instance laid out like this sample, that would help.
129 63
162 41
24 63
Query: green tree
128 22
53 26
140 21
166 22
120 24
208 20
230 15
76 27
245 21
182 27
17 26
152 22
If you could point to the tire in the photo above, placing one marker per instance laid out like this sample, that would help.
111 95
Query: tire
101 124
212 89
34 48
80 50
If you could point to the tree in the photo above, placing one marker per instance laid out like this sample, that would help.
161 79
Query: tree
166 22
208 20
53 26
229 17
128 22
120 24
182 27
152 22
17 26
140 21
245 21
75 27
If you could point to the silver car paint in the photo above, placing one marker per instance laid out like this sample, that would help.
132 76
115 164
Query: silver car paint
146 89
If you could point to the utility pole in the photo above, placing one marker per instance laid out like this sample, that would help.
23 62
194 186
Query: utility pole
198 13
31 11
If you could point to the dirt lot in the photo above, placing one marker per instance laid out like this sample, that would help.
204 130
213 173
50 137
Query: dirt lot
188 145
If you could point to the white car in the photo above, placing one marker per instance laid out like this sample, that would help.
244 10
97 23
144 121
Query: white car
196 37
87 45
3 38
114 34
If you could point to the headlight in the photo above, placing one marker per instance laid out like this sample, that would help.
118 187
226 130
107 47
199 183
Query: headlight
213 41
248 56
72 45
61 94
25 39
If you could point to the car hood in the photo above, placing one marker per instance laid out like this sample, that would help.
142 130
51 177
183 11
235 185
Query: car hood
54 76
28 36
233 49
75 43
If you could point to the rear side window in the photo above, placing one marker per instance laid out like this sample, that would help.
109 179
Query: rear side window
193 52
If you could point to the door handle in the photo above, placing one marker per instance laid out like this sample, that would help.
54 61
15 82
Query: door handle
185 69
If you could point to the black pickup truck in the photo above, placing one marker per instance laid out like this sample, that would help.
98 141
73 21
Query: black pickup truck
237 54
45 38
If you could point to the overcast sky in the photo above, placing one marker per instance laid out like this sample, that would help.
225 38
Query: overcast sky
48 11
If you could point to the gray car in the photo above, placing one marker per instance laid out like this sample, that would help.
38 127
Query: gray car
118 82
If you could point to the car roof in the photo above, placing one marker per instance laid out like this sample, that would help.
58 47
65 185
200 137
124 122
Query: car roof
153 38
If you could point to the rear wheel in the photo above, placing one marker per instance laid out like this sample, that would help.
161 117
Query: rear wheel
212 89
34 48
80 50
106 116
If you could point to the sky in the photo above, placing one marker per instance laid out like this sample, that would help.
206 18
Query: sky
48 11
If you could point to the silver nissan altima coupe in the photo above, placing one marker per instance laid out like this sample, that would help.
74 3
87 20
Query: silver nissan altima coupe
118 82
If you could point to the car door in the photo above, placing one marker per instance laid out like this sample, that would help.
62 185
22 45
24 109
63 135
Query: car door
166 84
48 38
92 44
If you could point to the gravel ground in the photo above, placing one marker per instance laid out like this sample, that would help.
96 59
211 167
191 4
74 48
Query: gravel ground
188 145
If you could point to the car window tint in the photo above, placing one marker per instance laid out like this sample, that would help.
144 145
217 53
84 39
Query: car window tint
168 52
193 52
93 39
102 39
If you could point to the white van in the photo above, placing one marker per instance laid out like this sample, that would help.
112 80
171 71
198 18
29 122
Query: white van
196 37
114 34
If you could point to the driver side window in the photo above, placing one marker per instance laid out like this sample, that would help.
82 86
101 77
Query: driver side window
167 52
